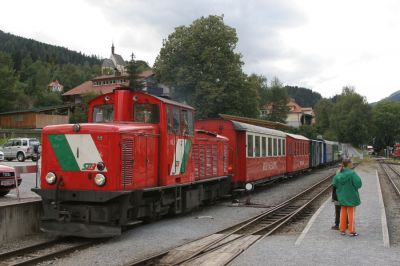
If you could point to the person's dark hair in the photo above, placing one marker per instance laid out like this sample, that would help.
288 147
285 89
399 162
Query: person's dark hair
345 163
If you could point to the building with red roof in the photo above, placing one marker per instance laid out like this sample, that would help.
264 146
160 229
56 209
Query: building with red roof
55 86
107 83
297 115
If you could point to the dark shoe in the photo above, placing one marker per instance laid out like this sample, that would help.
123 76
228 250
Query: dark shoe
353 234
335 227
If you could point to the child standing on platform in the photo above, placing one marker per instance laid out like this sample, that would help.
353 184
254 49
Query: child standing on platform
347 183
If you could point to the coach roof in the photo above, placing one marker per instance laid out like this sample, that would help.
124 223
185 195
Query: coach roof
297 136
256 129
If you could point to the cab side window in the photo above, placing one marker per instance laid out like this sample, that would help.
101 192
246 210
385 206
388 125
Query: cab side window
169 118
24 143
103 113
176 119
187 122
146 113
17 143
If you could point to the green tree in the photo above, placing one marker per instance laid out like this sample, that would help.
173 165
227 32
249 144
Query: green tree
308 131
9 85
277 100
323 110
303 96
350 117
134 70
80 113
385 118
260 84
199 63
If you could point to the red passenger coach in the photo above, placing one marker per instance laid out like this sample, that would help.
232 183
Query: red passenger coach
298 153
139 157
256 154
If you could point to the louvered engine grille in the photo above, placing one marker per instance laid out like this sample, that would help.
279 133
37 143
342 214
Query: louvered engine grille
225 158
127 161
205 160
195 154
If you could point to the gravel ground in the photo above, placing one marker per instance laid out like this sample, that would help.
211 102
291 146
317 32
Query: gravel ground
392 207
148 239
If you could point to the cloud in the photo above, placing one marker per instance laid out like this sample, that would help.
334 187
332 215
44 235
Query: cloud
257 22
322 45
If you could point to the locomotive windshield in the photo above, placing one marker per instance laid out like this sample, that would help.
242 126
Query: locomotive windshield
103 113
146 112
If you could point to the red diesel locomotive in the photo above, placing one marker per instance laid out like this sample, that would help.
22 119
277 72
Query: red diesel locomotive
137 158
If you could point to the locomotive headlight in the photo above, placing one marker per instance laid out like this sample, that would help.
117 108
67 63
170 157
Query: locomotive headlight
100 179
51 178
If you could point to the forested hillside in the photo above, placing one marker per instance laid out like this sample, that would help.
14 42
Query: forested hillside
20 48
28 66
303 96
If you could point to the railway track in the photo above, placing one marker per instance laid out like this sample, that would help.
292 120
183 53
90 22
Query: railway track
222 247
44 251
393 176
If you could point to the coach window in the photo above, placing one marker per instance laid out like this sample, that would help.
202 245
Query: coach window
275 149
279 147
103 113
283 147
250 146
257 146
264 147
269 146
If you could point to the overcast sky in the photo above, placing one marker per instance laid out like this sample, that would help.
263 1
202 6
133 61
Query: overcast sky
322 45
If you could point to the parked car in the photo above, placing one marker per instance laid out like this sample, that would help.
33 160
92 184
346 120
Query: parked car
1 156
7 179
21 148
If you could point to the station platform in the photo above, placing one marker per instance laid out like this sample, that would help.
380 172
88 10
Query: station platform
320 245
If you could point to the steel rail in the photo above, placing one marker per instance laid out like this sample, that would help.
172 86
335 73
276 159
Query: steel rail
27 256
396 188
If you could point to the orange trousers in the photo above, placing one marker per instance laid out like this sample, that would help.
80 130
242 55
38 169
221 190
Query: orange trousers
347 217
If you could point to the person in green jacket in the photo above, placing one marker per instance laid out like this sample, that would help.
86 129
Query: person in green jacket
347 183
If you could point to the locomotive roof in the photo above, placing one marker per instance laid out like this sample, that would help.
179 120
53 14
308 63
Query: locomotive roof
168 101
295 136
256 129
